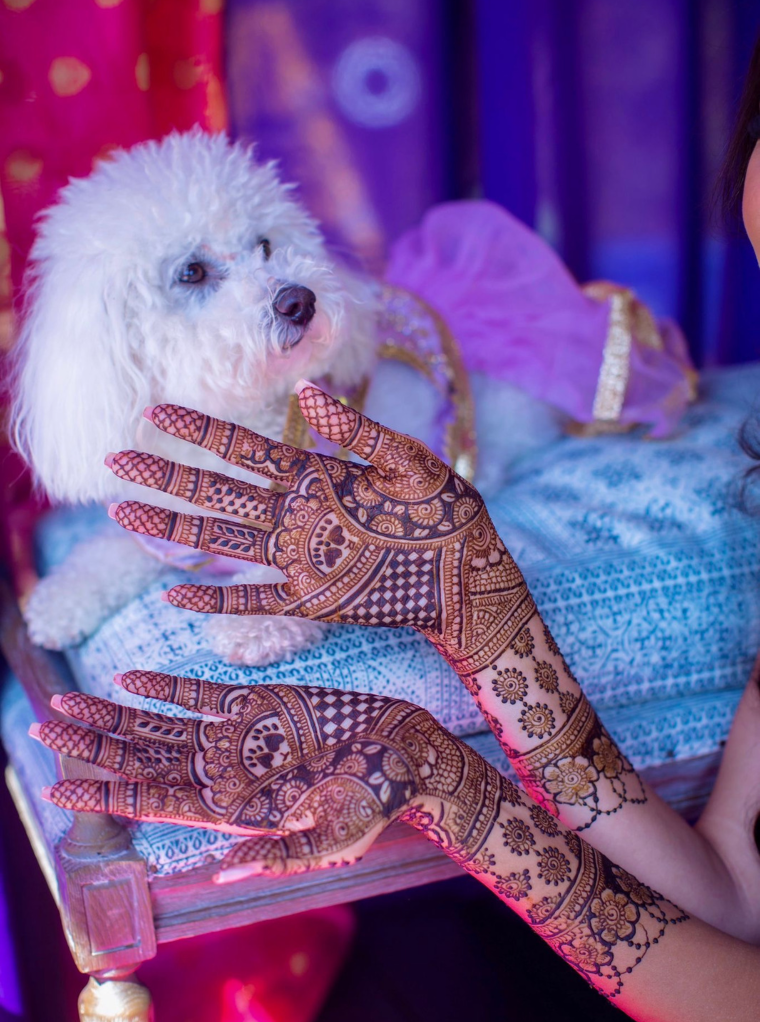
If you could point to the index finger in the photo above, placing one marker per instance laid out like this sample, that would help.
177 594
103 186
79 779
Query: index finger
234 444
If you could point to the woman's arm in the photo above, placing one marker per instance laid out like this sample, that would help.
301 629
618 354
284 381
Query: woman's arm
272 767
404 541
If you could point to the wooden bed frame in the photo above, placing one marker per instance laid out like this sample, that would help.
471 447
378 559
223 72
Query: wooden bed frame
114 913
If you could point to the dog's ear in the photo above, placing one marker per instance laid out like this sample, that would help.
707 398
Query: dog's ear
78 392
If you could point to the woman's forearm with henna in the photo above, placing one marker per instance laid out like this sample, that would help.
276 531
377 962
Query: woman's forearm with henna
551 734
594 914
567 761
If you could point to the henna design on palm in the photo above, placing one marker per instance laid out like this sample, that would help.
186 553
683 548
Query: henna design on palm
310 775
402 541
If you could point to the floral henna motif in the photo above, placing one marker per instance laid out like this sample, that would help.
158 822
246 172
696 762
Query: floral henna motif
551 734
402 541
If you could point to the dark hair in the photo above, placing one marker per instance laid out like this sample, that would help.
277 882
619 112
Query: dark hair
739 150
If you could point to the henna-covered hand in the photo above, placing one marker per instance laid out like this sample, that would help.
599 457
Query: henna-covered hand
310 775
401 541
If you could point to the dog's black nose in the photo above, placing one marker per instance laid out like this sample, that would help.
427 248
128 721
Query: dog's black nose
296 303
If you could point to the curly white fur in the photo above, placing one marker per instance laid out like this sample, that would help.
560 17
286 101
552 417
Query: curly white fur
111 326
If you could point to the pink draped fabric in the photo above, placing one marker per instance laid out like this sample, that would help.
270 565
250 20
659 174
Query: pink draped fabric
78 79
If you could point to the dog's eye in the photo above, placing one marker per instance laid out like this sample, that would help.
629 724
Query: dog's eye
193 273
266 247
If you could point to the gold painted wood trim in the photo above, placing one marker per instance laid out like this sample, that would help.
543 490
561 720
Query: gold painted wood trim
615 369
460 446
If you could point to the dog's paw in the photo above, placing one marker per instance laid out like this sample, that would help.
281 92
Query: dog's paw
99 576
257 641
58 618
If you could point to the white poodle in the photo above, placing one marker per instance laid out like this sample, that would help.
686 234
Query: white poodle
181 271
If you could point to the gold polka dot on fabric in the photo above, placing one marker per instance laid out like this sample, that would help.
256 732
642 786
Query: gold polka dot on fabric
299 963
105 153
108 3
18 5
68 76
211 6
142 72
23 168
216 105
188 73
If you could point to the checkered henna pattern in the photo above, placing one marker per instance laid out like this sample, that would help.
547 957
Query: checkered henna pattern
402 541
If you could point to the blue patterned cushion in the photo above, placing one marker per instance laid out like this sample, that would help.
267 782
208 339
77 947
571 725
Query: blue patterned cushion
641 565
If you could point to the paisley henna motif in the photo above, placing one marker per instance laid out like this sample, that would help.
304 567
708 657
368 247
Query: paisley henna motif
403 541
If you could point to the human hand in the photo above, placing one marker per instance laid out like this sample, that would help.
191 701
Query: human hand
401 541
310 775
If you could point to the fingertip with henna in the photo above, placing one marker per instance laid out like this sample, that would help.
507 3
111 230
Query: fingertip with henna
165 596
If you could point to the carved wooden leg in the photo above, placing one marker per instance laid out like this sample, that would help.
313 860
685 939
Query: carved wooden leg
115 1000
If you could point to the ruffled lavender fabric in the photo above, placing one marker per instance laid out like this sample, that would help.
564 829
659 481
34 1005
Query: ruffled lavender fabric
519 315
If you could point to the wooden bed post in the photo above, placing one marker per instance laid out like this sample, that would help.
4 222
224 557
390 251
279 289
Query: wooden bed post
102 883
106 911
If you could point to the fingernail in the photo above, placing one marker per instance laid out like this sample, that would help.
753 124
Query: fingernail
108 460
302 384
46 793
112 509
148 413
165 597
34 732
229 876
118 680
56 702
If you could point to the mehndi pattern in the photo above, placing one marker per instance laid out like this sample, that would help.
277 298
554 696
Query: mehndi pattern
402 541
314 774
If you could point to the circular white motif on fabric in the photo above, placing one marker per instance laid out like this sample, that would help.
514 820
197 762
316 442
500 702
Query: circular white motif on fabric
376 82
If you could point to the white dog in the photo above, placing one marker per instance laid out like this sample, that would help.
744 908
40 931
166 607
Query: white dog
181 271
